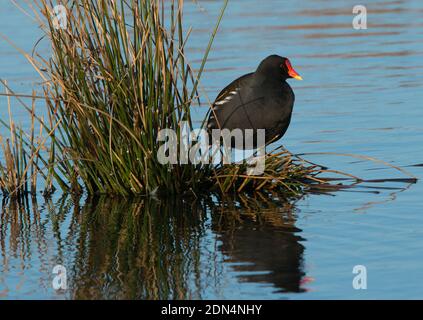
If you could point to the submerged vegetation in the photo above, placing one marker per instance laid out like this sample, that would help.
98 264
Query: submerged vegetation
117 75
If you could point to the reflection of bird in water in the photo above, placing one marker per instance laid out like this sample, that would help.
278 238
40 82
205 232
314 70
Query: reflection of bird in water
265 245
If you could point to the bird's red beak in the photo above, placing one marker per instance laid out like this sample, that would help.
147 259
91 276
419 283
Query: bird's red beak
292 73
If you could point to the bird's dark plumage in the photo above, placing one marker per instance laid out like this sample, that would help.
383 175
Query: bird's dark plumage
258 100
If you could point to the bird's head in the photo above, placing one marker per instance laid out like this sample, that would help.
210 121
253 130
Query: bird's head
277 67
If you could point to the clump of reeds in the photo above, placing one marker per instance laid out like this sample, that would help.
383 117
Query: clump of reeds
118 75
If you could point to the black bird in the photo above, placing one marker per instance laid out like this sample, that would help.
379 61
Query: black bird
258 100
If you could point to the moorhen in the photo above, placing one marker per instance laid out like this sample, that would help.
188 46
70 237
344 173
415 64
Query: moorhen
258 100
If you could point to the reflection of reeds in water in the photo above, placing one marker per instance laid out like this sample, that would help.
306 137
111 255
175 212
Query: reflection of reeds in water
120 249
149 249
138 249
22 240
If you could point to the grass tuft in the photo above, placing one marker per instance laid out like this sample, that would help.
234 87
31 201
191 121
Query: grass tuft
19 165
118 75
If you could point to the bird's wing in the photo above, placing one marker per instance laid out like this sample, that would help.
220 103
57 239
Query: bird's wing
226 95
233 86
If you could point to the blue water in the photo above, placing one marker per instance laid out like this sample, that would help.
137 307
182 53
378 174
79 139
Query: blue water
362 94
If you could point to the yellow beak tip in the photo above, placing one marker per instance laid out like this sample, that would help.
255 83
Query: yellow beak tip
298 78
